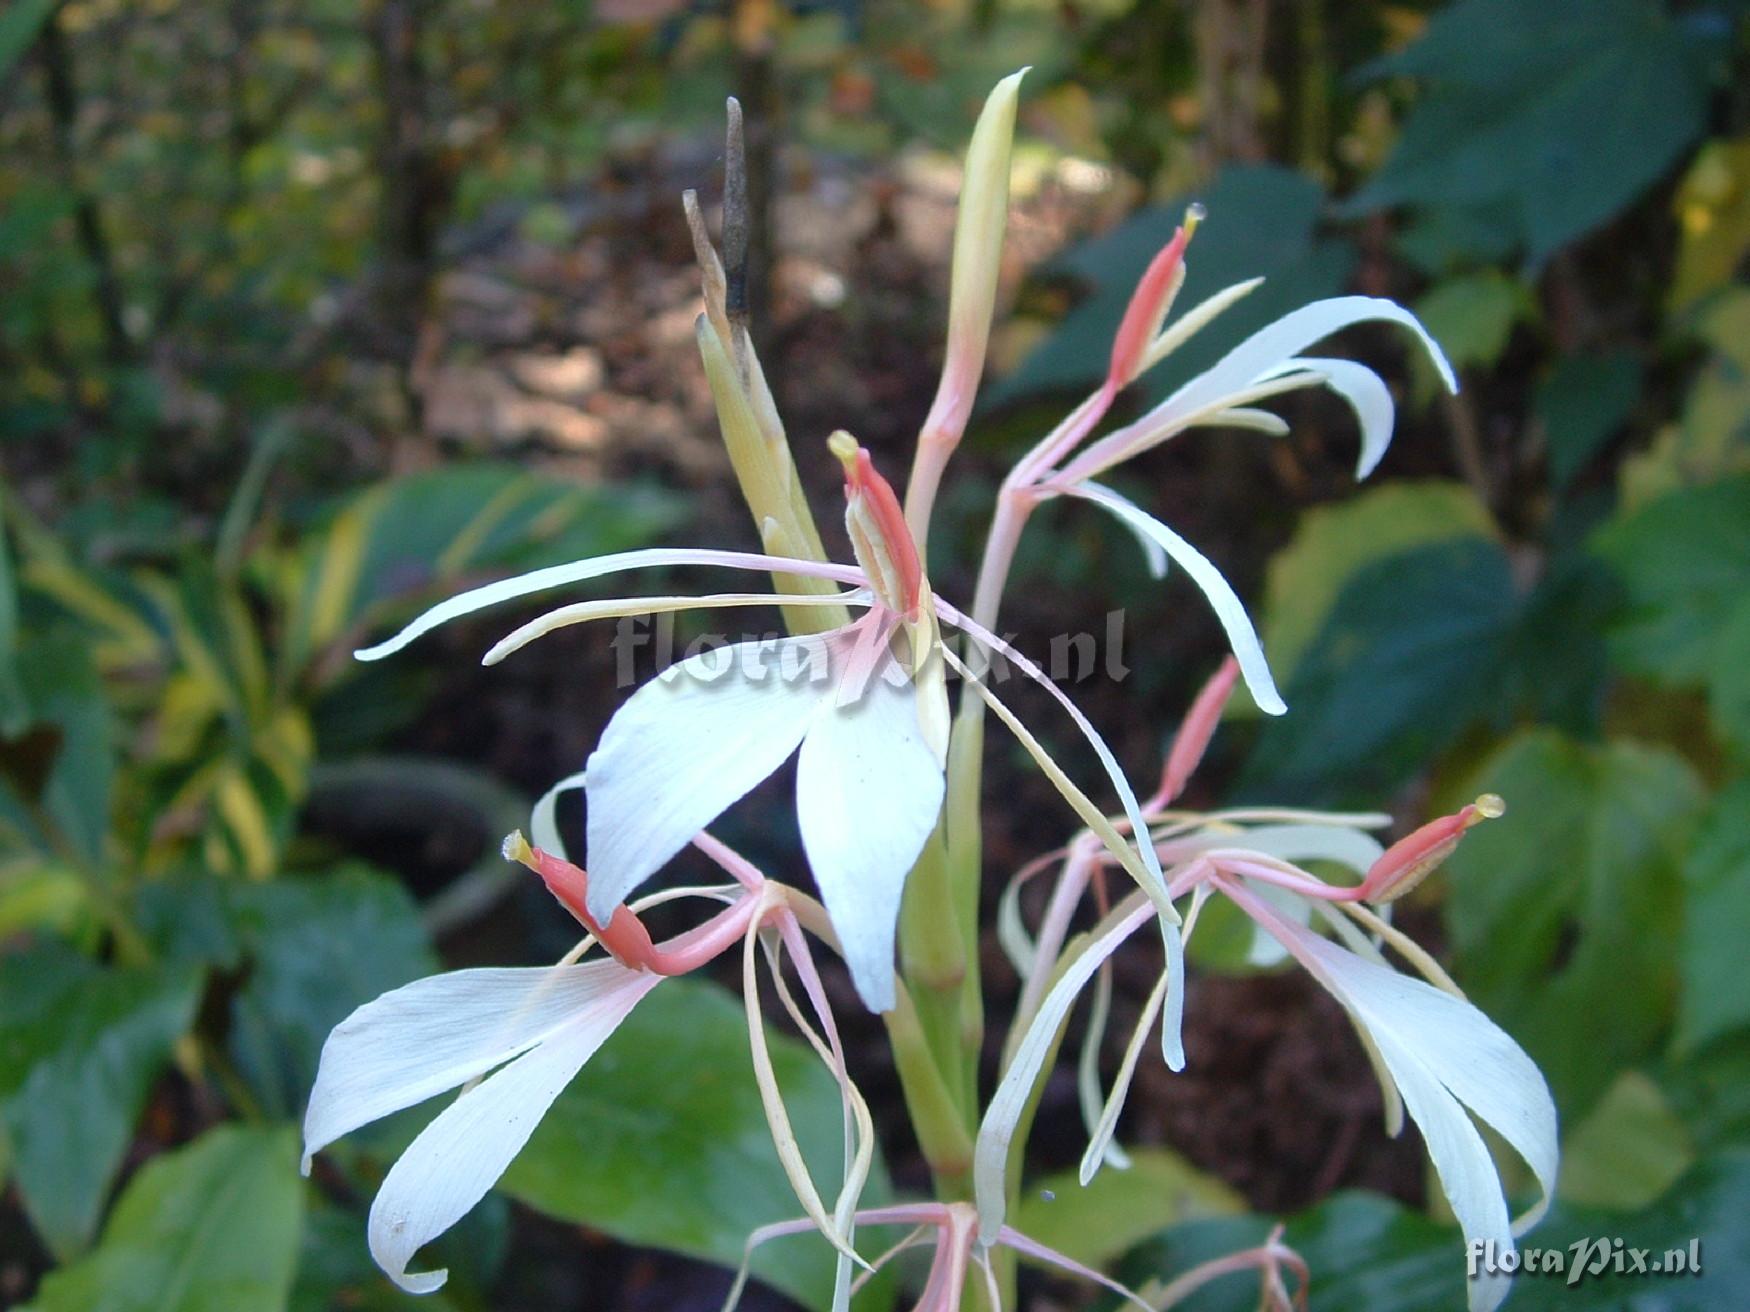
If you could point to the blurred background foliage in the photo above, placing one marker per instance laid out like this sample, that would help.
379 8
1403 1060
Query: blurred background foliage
312 312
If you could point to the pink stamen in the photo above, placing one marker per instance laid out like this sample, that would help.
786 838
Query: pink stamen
1194 734
1142 316
1410 860
624 936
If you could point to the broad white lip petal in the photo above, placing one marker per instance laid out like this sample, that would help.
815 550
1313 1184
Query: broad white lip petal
868 790
1241 636
436 1033
1367 395
1446 1056
461 1154
579 571
687 745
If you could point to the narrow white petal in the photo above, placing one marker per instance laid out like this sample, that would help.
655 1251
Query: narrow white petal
1194 320
1269 347
461 1154
868 790
579 571
1002 1116
1368 397
1241 636
544 819
1261 421
688 744
436 1033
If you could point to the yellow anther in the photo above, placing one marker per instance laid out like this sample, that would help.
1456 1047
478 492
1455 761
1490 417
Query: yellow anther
1490 806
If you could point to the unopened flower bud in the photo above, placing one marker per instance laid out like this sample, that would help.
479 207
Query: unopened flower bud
1149 304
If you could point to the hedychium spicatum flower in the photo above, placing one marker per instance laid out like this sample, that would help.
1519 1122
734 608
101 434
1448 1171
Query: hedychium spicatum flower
512 1039
888 806
1434 1053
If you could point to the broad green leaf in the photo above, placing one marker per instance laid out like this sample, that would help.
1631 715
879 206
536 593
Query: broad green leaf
212 1227
335 1269
42 896
317 948
1569 905
405 538
14 708
19 25
1713 207
80 1047
1120 1209
661 1140
1261 223
1684 561
1627 1151
1729 681
1472 315
1412 651
1711 439
1554 115
1582 404
1332 542
1716 923
59 773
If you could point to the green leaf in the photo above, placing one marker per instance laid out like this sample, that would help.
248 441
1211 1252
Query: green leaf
1332 542
212 1227
1684 561
411 536
1261 223
19 25
1628 1150
1565 906
1713 205
1413 650
1472 315
1716 922
1729 684
1119 1209
661 1140
14 707
1554 115
80 1047
317 947
59 775
1582 404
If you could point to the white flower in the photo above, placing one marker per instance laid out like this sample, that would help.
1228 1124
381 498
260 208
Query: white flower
536 1026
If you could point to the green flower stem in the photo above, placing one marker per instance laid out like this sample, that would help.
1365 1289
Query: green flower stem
936 1118
933 954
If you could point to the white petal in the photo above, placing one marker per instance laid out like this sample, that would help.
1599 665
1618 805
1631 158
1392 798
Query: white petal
436 1033
461 1154
1271 346
1241 636
688 744
1194 321
578 571
1472 1056
1368 397
1002 1116
544 819
1445 1055
868 790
